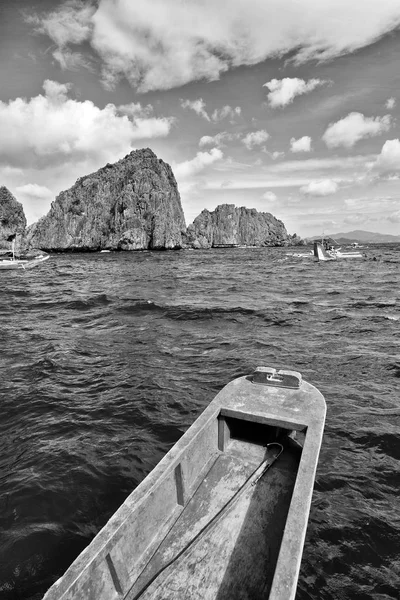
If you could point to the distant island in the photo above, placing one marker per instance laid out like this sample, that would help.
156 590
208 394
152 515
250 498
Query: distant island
359 236
134 204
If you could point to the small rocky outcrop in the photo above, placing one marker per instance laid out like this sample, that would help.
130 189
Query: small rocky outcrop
228 226
12 219
133 204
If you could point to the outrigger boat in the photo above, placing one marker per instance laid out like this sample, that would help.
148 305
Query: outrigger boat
323 252
224 514
10 262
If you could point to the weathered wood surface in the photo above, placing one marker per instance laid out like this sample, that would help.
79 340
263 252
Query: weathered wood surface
253 550
235 556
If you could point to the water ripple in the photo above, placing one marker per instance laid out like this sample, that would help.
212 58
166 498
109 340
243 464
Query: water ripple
107 359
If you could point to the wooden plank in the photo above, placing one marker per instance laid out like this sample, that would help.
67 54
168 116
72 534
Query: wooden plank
236 557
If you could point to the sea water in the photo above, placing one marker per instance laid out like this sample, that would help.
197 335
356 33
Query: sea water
106 359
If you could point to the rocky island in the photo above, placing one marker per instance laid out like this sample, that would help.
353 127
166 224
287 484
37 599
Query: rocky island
12 218
135 204
229 226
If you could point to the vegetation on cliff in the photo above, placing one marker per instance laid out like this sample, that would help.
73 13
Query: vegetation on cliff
12 218
228 225
133 204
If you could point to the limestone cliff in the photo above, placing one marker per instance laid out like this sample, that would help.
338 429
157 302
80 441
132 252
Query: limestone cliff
133 204
229 225
12 218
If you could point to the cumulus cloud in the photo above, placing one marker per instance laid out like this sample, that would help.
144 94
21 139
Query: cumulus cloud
388 161
390 103
141 42
324 187
270 196
283 91
303 144
199 107
56 92
256 138
349 130
202 160
38 132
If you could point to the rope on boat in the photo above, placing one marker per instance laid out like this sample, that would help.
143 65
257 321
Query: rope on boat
252 479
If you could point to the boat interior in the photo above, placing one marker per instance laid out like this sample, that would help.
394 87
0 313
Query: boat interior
224 514
225 542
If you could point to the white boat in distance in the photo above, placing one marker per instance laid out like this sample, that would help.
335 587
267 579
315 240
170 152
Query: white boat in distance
324 252
300 254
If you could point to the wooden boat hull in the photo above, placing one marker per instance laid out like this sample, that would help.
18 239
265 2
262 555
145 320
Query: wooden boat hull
224 514
21 264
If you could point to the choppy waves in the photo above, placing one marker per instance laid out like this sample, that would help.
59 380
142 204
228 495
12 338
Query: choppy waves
107 359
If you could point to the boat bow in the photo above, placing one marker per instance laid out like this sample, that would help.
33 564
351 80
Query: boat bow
224 514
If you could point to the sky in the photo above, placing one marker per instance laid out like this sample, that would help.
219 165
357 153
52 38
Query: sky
287 106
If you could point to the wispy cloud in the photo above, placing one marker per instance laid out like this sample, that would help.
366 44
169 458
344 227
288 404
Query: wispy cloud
283 91
317 176
198 163
276 154
33 190
142 43
226 112
356 219
69 24
353 128
35 198
394 217
217 140
135 109
198 106
350 164
72 61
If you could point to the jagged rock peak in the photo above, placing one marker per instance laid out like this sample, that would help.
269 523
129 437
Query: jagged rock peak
12 217
228 225
136 156
133 204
